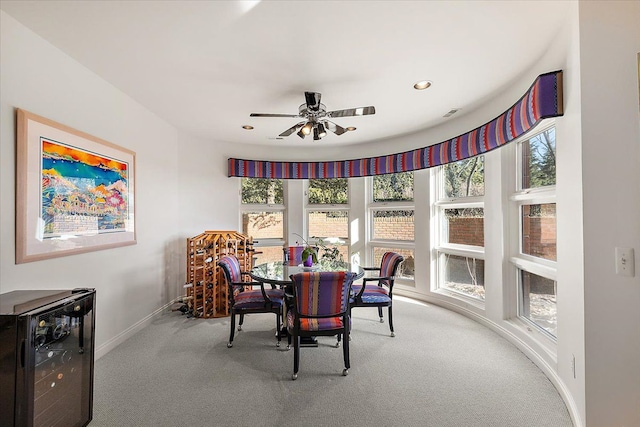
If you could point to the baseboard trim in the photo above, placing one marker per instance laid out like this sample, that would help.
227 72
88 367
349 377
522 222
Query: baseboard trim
130 331
529 351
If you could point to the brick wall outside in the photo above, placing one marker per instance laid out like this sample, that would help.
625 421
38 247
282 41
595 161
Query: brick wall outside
326 226
268 225
539 231
393 228
466 231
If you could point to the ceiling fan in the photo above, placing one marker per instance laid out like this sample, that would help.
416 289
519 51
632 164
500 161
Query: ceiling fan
317 117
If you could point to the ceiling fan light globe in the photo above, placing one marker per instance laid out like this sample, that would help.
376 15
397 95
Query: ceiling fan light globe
321 131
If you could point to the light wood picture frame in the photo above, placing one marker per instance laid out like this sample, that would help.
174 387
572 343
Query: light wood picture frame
74 192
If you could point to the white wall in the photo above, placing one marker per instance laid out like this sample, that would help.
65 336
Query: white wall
133 281
570 250
609 45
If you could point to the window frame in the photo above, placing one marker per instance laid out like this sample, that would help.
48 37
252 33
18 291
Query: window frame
328 207
440 205
371 243
267 207
519 261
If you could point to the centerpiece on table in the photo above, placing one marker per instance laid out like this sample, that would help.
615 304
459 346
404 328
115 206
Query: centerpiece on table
309 253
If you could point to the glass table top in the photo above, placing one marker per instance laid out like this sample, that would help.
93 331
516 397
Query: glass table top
278 272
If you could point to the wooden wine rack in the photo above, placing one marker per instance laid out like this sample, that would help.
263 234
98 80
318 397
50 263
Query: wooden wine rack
207 290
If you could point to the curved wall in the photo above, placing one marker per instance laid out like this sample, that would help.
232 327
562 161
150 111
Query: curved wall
552 359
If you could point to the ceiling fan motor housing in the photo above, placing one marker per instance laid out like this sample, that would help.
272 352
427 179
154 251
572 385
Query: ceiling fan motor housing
303 111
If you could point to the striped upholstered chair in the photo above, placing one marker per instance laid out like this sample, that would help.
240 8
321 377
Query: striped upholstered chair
380 294
320 308
243 301
293 254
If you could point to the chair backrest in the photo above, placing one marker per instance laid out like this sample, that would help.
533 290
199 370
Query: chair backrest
389 265
293 254
231 268
322 294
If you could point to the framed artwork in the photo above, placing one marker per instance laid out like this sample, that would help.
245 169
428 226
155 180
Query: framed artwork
74 192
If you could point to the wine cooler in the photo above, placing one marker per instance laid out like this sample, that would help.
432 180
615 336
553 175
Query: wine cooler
46 357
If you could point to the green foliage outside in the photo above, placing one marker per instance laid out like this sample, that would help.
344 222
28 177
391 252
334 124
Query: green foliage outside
262 191
464 178
539 154
333 191
393 187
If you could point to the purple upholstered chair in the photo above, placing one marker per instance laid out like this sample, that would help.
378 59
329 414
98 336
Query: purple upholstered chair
243 301
381 294
320 307
293 254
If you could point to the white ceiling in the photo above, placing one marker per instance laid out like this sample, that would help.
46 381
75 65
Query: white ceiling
204 66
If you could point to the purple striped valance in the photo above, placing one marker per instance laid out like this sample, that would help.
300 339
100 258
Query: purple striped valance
541 101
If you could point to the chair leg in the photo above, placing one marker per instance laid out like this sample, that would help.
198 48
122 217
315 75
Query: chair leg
380 314
233 329
338 342
278 329
241 321
345 351
391 321
296 357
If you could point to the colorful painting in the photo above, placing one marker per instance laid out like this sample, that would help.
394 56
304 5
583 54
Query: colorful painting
75 192
82 192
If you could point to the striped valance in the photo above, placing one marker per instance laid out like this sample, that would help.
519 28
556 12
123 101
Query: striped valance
541 101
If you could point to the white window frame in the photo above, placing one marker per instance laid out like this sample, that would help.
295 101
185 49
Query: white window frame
372 243
259 207
520 261
330 207
440 247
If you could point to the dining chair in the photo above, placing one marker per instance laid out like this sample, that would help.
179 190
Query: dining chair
381 294
320 308
293 254
244 301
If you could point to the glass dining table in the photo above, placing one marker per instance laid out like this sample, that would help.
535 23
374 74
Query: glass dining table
278 272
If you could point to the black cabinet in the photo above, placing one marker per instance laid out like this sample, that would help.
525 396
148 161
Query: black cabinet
46 357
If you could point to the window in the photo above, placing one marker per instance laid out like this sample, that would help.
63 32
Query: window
538 301
262 191
534 207
393 187
459 210
328 213
262 216
328 191
391 220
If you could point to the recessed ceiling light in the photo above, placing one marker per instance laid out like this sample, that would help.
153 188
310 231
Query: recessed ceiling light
424 84
350 128
247 127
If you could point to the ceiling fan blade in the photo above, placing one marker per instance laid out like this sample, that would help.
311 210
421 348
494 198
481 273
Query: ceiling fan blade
273 115
350 112
337 129
292 129
313 100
